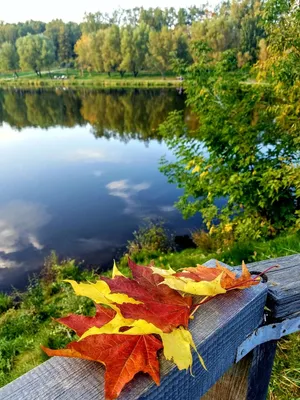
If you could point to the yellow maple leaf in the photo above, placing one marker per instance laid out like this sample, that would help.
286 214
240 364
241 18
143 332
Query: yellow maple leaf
202 288
100 293
177 344
163 272
116 271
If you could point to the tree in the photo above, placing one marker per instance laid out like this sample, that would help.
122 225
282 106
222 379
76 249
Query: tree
35 52
111 51
83 50
134 48
8 58
240 167
161 47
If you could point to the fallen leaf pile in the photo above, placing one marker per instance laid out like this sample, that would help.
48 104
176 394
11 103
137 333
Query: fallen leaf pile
137 317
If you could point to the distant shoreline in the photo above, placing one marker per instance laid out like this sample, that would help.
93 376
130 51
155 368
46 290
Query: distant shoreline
88 80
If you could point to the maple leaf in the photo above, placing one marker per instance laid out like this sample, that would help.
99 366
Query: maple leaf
206 281
100 293
80 323
177 344
123 357
160 304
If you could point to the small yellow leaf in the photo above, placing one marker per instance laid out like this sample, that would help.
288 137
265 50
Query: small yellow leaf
115 271
177 348
196 169
202 288
136 327
163 272
100 293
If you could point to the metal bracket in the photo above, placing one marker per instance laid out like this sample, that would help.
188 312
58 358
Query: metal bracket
266 333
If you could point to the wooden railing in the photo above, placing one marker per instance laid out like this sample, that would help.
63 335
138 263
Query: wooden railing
224 330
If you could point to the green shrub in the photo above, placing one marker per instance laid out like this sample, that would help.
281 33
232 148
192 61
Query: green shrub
6 302
152 236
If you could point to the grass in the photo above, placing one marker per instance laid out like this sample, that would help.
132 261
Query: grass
26 319
29 79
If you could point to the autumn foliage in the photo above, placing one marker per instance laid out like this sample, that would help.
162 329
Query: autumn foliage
136 317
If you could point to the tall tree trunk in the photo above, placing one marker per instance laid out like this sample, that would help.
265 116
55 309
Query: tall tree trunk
135 73
16 74
108 73
122 73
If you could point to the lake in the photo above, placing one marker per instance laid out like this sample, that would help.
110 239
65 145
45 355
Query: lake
79 173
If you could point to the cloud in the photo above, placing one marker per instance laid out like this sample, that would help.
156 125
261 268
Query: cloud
20 222
127 191
97 173
167 209
94 244
95 155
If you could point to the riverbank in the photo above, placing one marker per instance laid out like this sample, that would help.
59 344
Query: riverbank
72 78
26 319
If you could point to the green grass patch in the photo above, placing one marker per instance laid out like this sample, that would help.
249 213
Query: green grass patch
87 79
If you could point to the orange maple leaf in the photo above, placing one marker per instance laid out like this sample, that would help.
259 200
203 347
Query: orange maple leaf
123 357
229 279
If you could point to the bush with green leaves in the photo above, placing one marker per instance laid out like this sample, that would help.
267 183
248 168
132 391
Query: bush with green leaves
241 153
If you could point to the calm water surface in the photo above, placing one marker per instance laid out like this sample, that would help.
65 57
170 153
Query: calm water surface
79 173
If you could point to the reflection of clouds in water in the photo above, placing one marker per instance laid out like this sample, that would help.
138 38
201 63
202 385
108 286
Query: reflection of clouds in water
127 191
97 173
95 155
93 244
8 264
167 209
19 225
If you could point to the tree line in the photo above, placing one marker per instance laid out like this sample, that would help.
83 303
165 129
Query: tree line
138 39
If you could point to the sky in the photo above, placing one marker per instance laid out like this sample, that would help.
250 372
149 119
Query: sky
67 10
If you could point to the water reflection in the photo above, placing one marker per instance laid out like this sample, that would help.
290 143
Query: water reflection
123 114
77 177
20 222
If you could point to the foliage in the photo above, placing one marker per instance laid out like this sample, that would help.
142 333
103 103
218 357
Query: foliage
240 168
6 302
152 236
8 57
125 39
121 336
35 52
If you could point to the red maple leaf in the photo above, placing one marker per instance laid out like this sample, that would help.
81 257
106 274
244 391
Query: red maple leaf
162 306
123 357
80 323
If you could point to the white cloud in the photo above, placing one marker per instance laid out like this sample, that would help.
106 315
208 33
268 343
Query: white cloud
20 222
97 173
167 209
127 191
95 155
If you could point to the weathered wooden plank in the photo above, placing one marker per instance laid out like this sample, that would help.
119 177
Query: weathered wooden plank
218 329
233 385
283 283
260 370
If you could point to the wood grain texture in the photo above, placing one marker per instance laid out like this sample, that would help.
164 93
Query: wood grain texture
233 385
219 327
260 370
283 284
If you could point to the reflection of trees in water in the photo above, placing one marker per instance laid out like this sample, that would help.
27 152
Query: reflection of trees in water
125 114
